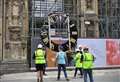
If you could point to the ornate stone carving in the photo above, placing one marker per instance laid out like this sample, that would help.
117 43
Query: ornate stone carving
15 12
7 45
15 25
16 9
89 4
15 19
15 34
9 12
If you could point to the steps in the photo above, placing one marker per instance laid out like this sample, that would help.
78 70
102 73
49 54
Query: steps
13 67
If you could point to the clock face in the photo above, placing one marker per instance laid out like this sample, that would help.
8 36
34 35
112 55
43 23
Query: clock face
56 33
55 42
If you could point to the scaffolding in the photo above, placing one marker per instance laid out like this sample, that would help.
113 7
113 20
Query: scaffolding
108 19
109 16
39 10
39 15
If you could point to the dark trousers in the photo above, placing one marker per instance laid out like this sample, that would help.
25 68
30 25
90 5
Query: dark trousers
81 71
44 69
89 73
63 66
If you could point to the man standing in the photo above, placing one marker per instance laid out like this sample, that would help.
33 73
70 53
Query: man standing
80 48
78 64
45 65
61 61
39 57
87 60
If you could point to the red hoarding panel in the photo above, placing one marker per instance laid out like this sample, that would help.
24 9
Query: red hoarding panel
112 52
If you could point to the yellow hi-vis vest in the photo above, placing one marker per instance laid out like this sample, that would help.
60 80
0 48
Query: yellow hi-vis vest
40 56
88 61
77 58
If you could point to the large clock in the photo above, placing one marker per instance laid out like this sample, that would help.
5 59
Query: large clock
55 34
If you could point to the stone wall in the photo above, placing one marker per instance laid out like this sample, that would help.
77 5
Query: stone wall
13 67
15 30
13 35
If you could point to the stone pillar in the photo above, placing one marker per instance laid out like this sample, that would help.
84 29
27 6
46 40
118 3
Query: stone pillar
97 24
15 30
89 22
24 34
74 7
1 9
83 33
78 18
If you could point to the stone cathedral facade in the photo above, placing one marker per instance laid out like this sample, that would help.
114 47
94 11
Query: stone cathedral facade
13 32
14 29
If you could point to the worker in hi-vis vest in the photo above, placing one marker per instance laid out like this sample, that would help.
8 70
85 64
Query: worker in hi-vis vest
39 57
87 60
78 64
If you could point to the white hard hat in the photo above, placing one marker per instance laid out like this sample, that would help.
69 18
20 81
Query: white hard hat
39 46
77 50
80 46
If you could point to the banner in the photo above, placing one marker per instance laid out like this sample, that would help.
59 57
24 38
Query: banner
106 51
113 52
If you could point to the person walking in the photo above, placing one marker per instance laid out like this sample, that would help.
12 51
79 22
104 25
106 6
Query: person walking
45 65
44 70
78 64
81 49
39 57
87 60
61 59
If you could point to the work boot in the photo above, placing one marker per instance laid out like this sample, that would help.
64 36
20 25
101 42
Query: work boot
41 80
37 80
74 77
58 78
67 79
45 74
81 76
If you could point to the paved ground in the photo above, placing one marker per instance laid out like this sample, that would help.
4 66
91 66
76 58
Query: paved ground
112 75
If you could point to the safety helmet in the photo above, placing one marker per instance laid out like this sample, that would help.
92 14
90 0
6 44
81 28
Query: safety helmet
39 46
77 50
86 48
80 46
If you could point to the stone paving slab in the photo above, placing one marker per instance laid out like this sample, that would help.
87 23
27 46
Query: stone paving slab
99 76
